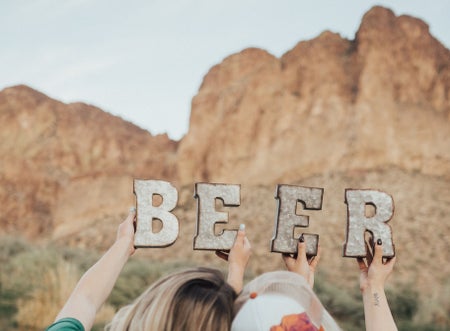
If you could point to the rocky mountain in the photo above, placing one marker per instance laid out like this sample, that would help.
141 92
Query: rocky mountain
329 104
63 165
372 112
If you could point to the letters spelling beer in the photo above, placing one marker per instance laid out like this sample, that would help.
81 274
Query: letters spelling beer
286 218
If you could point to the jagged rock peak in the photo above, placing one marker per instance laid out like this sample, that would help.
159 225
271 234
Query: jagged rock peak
327 104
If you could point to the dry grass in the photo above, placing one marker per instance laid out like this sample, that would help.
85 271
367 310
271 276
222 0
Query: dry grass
50 292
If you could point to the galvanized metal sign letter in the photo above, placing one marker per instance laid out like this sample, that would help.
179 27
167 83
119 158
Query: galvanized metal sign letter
287 219
358 223
145 235
207 216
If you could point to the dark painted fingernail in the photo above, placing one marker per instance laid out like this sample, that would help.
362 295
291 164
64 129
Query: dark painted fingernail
301 239
379 242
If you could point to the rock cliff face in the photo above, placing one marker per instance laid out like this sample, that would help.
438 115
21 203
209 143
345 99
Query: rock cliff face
329 104
69 163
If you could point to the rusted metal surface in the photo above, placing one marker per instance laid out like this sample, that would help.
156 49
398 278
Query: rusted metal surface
287 219
146 212
358 222
207 216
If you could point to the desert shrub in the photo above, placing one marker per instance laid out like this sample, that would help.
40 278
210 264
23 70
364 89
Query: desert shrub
49 292
12 246
403 302
411 313
82 258
7 307
434 308
34 283
9 248
345 305
414 326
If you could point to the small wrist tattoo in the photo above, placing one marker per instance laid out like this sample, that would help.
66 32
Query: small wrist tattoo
376 299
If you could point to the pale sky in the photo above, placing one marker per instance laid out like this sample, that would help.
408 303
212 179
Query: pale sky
145 60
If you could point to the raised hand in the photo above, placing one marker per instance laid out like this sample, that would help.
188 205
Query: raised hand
300 264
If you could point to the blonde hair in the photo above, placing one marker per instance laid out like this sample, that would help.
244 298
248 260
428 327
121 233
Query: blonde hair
193 299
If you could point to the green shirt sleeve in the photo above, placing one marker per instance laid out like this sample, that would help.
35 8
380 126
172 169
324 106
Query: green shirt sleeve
66 324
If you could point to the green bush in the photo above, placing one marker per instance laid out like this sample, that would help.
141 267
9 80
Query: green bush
10 247
403 302
343 304
346 306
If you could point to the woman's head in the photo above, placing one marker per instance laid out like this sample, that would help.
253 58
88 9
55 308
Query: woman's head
193 299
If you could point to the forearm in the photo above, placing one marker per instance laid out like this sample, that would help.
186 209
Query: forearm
238 259
378 316
96 284
236 278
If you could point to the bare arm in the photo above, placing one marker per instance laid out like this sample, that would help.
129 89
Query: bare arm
97 283
237 260
373 275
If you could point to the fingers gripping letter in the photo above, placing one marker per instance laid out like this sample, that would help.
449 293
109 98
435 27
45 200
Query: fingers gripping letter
358 222
207 216
287 220
147 212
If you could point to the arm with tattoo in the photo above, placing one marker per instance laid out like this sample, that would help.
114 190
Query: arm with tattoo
373 275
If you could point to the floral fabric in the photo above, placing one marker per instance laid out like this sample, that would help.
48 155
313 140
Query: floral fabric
295 322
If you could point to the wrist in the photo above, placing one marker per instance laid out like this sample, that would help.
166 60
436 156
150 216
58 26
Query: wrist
236 277
372 288
125 245
235 265
236 282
